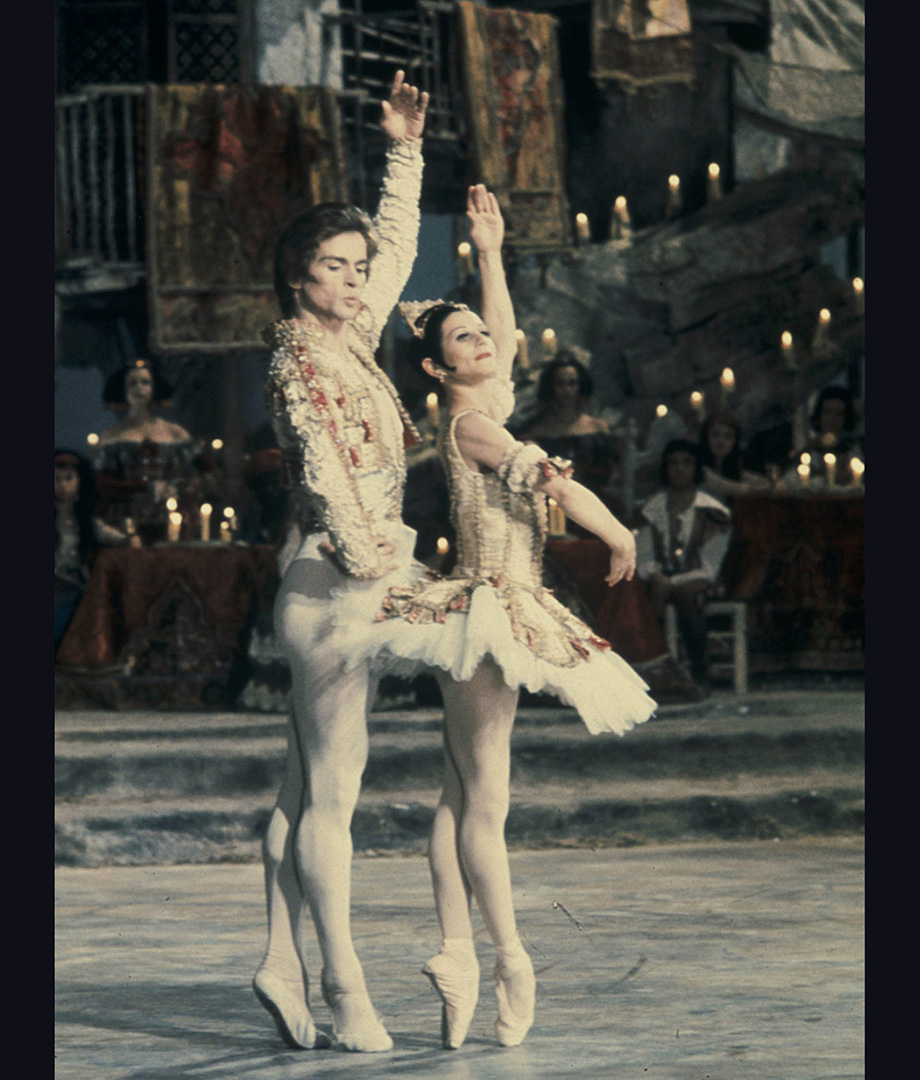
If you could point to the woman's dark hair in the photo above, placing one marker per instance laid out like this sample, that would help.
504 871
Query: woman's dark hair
835 393
676 446
87 498
114 392
299 242
733 464
546 388
429 344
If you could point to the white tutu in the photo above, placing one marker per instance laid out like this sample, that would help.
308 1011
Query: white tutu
599 684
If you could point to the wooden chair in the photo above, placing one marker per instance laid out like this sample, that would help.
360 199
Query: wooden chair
727 645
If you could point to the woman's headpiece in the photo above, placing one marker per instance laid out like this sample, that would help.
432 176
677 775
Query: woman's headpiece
417 312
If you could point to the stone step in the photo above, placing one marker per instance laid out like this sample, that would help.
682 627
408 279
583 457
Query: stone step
141 788
166 831
144 755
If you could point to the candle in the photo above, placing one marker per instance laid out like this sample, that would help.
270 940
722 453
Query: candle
172 504
431 403
805 459
205 519
788 348
443 545
661 411
556 518
675 199
859 295
230 515
714 184
620 224
830 464
523 357
175 526
727 381
582 228
821 337
92 439
621 210
804 472
698 403
225 533
217 444
464 259
857 469
548 338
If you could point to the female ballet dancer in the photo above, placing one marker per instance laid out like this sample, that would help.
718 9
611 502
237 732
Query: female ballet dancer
490 628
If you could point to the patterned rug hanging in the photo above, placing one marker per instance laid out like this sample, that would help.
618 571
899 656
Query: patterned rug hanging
510 63
640 43
227 167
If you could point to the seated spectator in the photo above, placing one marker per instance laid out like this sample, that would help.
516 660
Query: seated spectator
724 474
833 429
566 428
266 519
564 390
77 534
141 453
681 547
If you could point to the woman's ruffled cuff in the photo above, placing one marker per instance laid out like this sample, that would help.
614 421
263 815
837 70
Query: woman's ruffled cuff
526 464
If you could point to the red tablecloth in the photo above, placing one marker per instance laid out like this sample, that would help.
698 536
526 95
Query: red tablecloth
166 622
799 562
622 614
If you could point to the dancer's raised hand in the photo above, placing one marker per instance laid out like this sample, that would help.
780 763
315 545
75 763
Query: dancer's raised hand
622 558
487 227
404 113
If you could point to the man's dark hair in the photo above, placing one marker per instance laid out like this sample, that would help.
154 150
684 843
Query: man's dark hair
299 242
676 446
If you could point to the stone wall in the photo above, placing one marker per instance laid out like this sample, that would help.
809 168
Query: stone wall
664 314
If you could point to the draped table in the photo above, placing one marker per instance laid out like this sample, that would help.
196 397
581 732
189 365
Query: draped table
165 626
798 560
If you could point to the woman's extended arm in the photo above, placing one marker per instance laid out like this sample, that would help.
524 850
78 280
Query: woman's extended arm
483 442
487 231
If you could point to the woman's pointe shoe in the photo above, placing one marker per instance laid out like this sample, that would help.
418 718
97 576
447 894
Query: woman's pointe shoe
286 1002
457 985
515 981
356 1024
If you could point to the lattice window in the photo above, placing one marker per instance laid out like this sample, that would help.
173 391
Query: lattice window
101 42
207 41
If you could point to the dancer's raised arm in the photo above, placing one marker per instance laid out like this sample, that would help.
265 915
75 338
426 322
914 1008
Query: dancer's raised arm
487 231
397 218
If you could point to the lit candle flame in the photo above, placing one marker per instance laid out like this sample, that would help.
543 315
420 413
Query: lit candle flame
727 379
661 411
714 171
786 339
824 315
805 458
92 439
673 181
443 545
217 444
172 504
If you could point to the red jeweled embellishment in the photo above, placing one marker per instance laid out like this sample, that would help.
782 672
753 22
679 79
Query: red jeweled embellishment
367 430
600 643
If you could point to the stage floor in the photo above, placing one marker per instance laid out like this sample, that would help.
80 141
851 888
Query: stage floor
676 962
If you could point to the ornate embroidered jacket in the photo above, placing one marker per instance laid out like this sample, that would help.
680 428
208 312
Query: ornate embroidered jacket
339 421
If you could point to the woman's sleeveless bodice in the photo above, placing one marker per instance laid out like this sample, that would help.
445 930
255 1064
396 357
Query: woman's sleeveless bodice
500 532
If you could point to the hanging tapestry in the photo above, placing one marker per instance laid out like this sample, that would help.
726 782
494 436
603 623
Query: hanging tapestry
514 105
227 167
638 43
